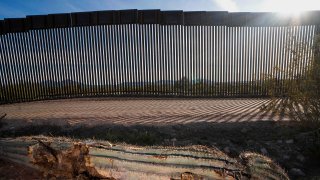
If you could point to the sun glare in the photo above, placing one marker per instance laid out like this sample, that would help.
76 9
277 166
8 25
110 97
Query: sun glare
290 7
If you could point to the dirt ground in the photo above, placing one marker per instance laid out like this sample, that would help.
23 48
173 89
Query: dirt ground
11 170
232 125
135 111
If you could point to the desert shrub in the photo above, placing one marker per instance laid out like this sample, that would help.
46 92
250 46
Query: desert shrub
298 94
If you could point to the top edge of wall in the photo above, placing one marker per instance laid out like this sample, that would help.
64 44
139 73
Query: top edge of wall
175 17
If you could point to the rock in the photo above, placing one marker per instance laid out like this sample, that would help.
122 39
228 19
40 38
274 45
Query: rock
289 141
296 172
279 141
286 157
300 158
244 130
173 140
226 150
264 151
250 141
268 143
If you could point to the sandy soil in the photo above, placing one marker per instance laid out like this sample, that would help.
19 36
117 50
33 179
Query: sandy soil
134 111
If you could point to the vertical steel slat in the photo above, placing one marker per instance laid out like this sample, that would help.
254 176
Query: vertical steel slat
105 59
200 61
7 76
225 59
15 67
226 62
278 53
46 59
3 84
281 59
119 58
254 59
66 61
220 30
108 41
106 56
91 63
84 49
52 62
61 62
195 59
75 59
97 58
9 67
189 58
81 59
4 72
13 43
252 52
258 58
208 60
158 57
135 55
175 68
129 59
96 61
139 58
216 57
180 60
114 60
101 56
299 50
143 69
269 52
148 59
176 65
165 58
304 51
184 57
124 59
206 51
32 62
203 60
144 64
43 82
242 48
49 51
18 66
191 65
232 60
154 58
271 57
262 58
136 61
14 70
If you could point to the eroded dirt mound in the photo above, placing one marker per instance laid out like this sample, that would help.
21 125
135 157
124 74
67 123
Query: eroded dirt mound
73 162
64 158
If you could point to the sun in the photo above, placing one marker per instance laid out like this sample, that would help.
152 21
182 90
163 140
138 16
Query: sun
290 7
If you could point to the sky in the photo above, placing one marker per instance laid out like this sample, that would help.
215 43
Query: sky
21 8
